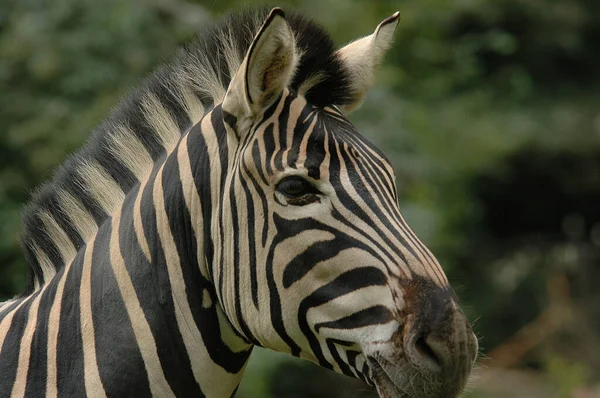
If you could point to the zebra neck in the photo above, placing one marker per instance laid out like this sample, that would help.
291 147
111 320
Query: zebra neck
135 312
175 212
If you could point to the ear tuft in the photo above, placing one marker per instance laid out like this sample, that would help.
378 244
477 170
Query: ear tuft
275 12
384 36
266 70
363 56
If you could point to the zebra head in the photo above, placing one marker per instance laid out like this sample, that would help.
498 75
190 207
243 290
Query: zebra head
311 253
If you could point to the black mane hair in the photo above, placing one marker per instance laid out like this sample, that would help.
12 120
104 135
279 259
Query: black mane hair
204 69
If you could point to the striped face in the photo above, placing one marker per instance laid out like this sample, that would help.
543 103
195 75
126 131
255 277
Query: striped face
318 262
312 256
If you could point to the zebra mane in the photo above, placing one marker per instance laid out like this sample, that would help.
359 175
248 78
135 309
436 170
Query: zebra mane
91 185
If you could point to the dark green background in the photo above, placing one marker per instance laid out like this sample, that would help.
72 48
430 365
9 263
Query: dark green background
489 111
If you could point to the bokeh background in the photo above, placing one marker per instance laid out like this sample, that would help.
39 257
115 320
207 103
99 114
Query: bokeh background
489 110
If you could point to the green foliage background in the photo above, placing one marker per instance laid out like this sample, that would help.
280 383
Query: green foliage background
489 111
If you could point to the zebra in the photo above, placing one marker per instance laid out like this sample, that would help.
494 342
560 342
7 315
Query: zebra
229 203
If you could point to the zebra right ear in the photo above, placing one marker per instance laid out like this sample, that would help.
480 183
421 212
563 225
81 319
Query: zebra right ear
363 56
266 70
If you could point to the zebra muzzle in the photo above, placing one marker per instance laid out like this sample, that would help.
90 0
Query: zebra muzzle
432 352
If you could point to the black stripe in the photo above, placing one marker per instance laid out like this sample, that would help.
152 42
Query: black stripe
38 362
221 133
347 282
269 143
352 355
263 200
348 201
9 356
201 169
336 357
69 346
392 206
275 300
119 359
284 119
195 284
315 149
251 231
8 309
304 120
318 252
376 315
160 316
235 231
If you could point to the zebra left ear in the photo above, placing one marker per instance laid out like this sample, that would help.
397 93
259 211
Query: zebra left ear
266 70
363 56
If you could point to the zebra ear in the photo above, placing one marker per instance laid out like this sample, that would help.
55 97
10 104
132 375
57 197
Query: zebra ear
266 70
363 56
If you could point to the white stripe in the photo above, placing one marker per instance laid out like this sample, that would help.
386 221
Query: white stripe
141 328
138 226
92 379
7 323
6 304
418 264
213 380
53 329
18 390
194 206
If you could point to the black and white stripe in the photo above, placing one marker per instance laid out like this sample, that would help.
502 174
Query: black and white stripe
167 248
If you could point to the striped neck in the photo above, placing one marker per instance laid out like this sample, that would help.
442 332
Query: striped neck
136 310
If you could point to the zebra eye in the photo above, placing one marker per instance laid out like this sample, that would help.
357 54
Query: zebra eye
295 187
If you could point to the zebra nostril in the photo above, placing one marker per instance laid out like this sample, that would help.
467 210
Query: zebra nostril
426 352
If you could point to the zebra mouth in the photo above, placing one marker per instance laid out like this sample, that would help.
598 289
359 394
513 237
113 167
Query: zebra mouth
403 380
383 381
